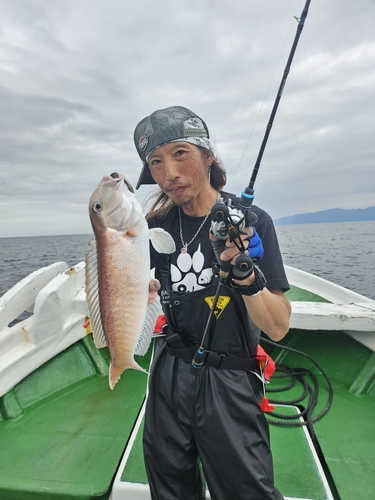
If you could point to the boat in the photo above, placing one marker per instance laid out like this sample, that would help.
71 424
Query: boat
64 434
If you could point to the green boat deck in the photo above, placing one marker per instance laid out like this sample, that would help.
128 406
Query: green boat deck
346 434
63 431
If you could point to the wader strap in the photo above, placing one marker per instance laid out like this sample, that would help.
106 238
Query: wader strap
176 348
164 271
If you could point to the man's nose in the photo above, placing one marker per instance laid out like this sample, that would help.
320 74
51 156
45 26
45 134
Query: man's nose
172 171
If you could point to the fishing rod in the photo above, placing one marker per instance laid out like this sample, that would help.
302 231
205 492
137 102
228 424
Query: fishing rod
228 222
247 196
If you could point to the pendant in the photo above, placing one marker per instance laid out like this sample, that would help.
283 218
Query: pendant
184 248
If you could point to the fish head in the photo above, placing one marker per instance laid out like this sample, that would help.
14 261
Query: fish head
113 205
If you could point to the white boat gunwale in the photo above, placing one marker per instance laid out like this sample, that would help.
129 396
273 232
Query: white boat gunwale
56 295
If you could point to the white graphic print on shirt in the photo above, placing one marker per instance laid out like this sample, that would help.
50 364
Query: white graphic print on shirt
189 274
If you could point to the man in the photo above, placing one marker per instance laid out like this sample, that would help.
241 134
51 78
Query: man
207 410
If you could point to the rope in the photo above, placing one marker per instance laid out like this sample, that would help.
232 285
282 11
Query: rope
310 386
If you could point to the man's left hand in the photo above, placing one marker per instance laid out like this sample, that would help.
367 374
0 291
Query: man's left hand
227 252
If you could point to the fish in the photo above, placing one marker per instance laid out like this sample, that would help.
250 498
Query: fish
121 294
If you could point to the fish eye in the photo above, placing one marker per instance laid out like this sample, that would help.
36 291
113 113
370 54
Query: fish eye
97 206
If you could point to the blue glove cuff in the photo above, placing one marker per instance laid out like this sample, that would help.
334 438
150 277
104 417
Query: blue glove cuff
255 248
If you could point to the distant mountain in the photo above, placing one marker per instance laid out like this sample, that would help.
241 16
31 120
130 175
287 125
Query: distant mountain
333 215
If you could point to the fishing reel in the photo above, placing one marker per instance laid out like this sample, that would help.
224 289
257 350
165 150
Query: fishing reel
228 222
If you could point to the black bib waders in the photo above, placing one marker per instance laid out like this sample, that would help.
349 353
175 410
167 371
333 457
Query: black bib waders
214 416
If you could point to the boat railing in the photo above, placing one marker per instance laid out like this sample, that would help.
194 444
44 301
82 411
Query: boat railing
55 298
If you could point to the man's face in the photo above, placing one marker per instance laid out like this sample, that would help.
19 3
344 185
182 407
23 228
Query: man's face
181 171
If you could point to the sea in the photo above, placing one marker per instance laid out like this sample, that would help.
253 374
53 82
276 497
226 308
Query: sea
343 253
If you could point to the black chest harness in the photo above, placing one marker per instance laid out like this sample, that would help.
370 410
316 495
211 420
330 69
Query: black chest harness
211 323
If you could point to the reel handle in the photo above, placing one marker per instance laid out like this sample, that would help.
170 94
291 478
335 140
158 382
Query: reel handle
245 265
226 222
219 212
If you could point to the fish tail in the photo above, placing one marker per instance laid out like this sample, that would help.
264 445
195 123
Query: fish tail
115 372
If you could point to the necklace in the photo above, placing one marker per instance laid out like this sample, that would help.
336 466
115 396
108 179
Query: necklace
185 245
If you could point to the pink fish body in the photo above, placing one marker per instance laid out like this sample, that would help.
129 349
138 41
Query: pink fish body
119 289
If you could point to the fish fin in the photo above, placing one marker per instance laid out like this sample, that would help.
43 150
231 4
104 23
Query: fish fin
115 372
136 222
153 311
161 240
92 296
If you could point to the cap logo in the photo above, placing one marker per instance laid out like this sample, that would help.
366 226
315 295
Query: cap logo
194 132
143 142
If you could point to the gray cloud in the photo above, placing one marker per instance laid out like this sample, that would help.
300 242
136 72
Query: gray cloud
76 77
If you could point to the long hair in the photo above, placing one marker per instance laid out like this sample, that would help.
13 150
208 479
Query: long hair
163 204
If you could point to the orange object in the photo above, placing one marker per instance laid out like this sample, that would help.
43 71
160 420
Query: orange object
266 407
86 323
266 363
161 322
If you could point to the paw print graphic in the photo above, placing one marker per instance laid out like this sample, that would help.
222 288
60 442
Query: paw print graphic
189 274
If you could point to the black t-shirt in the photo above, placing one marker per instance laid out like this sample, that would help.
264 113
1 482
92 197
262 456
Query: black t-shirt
193 270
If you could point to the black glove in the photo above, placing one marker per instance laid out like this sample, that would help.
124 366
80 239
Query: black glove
219 247
243 266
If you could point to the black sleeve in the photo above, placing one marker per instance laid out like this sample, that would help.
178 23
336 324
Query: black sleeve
153 222
271 263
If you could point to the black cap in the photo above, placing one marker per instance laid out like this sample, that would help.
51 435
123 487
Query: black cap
164 126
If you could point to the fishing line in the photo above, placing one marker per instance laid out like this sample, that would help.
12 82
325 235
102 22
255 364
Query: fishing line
247 195
262 103
221 214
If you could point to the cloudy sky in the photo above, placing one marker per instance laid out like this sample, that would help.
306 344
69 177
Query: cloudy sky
76 76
